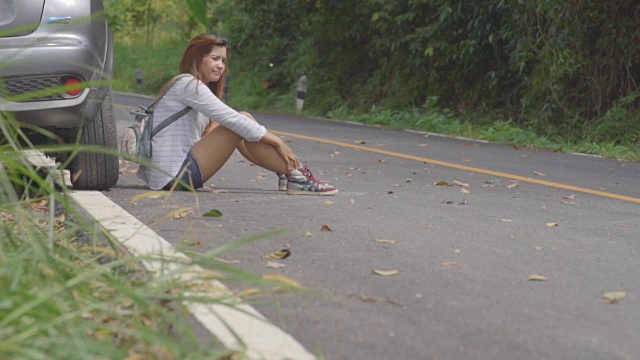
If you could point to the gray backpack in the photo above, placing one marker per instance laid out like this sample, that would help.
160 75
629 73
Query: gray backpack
137 140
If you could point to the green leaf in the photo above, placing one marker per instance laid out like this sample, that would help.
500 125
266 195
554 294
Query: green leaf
213 213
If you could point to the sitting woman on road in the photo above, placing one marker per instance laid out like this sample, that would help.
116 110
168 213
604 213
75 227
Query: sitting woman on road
194 147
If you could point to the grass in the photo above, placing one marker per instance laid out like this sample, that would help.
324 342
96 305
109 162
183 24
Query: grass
71 292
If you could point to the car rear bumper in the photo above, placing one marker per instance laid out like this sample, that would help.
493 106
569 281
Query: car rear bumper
86 58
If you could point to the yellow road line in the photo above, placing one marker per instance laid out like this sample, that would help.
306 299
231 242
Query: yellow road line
468 168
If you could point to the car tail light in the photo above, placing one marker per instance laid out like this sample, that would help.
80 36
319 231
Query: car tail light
73 86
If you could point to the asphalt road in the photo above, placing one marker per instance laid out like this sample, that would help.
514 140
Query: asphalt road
464 251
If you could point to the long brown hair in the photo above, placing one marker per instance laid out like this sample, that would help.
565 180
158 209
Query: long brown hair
191 63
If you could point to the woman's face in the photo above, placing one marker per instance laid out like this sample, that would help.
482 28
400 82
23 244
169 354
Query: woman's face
213 64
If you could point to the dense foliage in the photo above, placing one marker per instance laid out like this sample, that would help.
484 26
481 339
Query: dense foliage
561 66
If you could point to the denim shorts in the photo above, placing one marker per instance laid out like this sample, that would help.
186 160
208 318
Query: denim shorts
189 173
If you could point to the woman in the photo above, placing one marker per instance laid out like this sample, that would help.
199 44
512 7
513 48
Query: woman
195 146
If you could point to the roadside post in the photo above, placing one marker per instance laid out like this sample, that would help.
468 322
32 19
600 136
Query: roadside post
301 92
139 79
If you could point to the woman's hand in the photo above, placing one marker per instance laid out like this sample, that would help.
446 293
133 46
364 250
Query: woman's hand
283 150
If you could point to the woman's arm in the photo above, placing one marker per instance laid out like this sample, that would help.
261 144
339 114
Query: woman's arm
283 149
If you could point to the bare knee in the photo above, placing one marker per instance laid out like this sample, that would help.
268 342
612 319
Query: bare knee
247 115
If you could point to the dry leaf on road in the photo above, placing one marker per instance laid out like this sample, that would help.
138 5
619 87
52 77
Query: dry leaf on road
451 263
325 228
538 173
441 183
182 213
513 186
274 265
506 220
614 297
386 272
537 277
282 254
383 241
551 224
460 183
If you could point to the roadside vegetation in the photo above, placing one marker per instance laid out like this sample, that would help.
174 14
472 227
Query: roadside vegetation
544 73
71 291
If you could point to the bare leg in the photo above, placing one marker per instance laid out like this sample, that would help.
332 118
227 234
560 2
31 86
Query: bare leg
217 145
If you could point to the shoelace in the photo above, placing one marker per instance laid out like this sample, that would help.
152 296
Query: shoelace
307 172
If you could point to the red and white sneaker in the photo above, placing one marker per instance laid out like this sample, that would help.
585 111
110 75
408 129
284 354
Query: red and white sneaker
302 182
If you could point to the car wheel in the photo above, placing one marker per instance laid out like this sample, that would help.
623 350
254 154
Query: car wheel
97 171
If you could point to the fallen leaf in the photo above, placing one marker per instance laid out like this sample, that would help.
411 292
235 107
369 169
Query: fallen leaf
423 145
409 180
386 272
538 173
456 251
351 201
489 184
219 191
512 186
506 220
379 160
551 224
325 228
307 234
274 265
441 183
213 213
539 248
570 197
536 277
467 160
465 191
328 202
614 297
182 213
361 142
282 254
283 280
451 263
459 183
61 218
383 241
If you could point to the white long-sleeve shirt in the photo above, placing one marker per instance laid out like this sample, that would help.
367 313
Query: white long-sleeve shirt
171 145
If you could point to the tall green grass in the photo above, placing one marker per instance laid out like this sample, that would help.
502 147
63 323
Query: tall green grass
69 291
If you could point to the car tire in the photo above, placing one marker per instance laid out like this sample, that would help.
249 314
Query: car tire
97 171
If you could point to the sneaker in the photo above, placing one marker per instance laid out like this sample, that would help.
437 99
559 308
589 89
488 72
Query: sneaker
302 182
282 182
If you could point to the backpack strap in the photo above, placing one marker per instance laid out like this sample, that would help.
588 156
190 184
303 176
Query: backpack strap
166 122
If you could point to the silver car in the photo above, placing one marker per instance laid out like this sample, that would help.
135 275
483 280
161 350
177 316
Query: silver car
56 62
